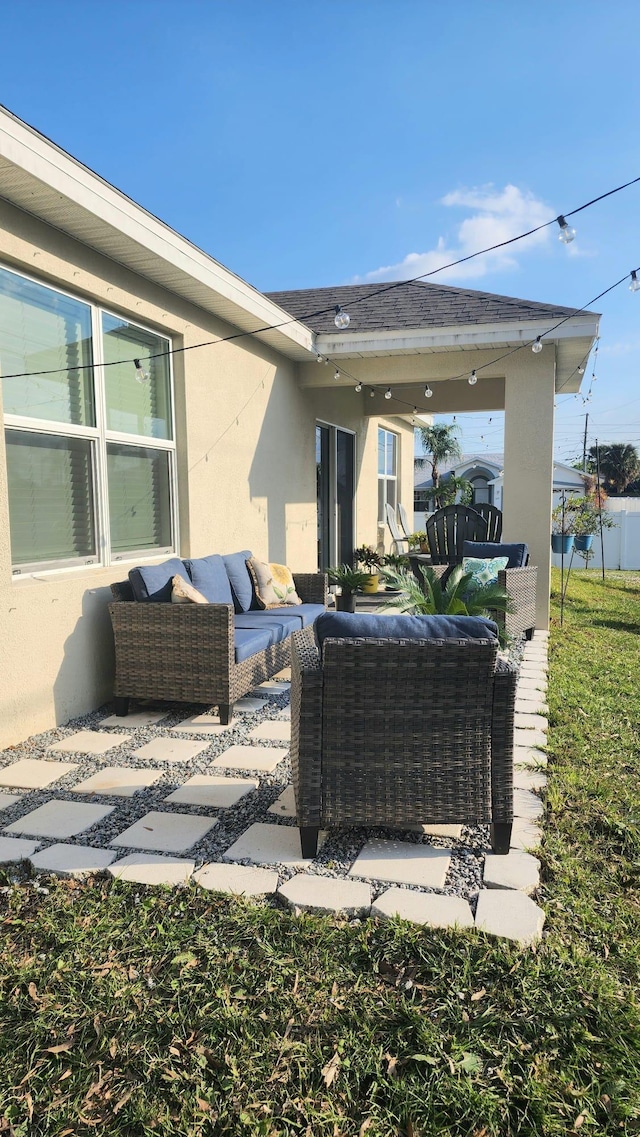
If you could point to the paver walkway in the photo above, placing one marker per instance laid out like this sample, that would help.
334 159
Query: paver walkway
97 800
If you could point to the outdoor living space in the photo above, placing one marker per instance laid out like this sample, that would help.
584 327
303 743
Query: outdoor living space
99 971
168 793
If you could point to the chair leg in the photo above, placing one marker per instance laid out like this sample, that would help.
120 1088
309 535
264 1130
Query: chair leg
121 705
225 710
309 841
501 837
529 633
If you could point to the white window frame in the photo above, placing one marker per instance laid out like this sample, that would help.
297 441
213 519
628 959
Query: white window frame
387 477
99 436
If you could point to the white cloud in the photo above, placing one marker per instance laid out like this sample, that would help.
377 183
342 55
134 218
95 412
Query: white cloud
498 215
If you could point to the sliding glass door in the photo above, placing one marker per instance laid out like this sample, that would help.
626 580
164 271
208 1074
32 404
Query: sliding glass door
335 477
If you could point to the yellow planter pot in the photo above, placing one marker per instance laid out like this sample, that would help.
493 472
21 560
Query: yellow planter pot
372 583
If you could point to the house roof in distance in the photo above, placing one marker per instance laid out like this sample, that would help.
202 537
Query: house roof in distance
410 304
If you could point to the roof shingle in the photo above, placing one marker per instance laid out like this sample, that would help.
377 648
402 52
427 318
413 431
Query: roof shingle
409 304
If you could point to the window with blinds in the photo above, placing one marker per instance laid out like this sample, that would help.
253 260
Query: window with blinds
89 449
387 472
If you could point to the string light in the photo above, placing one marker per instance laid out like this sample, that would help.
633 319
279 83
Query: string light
387 393
537 346
566 234
473 379
372 393
581 369
318 359
341 319
428 392
336 374
142 375
358 386
635 283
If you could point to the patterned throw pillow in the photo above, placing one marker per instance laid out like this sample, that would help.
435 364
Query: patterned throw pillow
273 584
484 570
184 593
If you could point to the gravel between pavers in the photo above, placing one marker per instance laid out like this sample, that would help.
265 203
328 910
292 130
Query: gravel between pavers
335 858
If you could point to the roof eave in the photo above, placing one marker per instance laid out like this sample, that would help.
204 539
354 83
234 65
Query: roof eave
43 180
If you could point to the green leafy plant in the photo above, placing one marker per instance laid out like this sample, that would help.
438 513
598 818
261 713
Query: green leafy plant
416 539
456 598
395 560
369 557
349 579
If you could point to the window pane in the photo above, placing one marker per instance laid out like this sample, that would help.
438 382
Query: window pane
134 407
41 330
391 453
381 434
391 492
139 498
50 498
381 502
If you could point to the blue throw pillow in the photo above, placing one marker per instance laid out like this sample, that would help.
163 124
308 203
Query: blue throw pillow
357 626
518 554
209 576
484 570
153 582
241 583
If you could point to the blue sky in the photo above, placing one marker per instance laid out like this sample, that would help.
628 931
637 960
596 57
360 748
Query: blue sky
321 142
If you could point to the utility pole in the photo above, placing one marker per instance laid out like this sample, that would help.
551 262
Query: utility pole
584 445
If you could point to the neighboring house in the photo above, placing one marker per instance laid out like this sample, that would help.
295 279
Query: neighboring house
231 443
484 472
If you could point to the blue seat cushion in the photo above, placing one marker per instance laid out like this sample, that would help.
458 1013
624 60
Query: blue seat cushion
241 583
153 582
303 614
280 627
249 641
209 576
518 554
356 626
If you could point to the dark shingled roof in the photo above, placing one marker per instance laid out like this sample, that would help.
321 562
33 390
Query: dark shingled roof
409 304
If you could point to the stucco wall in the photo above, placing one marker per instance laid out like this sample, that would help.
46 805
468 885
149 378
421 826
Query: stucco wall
246 477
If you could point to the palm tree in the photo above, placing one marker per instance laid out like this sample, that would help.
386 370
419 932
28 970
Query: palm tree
619 464
440 444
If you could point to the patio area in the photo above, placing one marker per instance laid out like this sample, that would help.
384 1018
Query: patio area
167 795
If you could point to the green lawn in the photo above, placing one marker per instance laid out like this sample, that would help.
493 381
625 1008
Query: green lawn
129 1013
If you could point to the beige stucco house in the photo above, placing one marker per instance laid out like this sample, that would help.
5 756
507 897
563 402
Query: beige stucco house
229 434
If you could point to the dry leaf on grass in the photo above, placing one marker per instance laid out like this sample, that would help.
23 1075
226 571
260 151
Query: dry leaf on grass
60 1048
478 994
330 1071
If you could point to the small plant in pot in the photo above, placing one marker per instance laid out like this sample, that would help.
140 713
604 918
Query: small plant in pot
370 558
562 527
349 580
419 541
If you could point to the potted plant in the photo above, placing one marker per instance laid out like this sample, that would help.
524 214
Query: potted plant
418 540
456 598
349 580
368 556
562 527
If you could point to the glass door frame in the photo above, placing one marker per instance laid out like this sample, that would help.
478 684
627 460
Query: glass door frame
331 528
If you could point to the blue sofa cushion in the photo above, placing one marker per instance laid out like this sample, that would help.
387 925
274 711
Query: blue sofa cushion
518 554
249 641
303 614
356 626
153 582
241 583
209 576
280 627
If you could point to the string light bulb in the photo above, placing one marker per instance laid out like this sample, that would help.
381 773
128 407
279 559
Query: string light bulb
358 387
142 375
372 393
318 359
336 374
428 392
566 234
581 369
341 319
387 393
635 283
537 346
473 379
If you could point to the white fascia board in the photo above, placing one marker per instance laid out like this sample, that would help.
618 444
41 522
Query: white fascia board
456 336
42 159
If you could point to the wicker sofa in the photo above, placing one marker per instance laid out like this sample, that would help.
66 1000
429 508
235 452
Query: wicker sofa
211 653
390 726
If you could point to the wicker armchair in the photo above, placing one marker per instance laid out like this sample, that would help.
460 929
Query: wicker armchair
393 732
185 652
